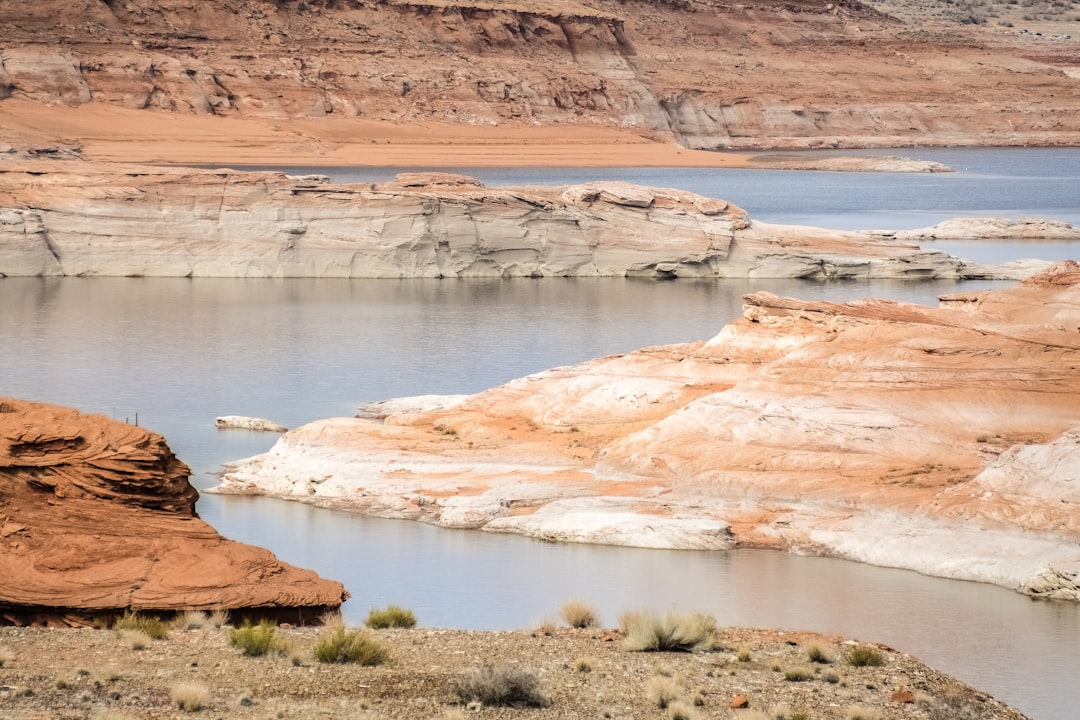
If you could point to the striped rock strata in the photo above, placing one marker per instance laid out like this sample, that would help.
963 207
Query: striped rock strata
942 440
97 517
72 218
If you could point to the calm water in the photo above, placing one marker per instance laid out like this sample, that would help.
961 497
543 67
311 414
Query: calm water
179 352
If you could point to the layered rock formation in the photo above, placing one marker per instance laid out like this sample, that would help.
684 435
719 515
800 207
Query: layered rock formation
72 218
706 73
942 440
97 517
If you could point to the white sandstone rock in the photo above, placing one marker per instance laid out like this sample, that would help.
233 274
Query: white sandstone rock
239 422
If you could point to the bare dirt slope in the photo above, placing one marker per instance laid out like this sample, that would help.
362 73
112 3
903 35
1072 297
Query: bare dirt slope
705 73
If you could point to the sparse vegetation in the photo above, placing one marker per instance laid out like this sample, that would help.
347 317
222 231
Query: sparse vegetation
6 656
135 639
256 640
190 697
585 664
392 616
218 618
861 712
662 691
674 631
865 656
189 620
817 654
744 655
350 646
798 674
679 710
152 626
502 685
579 614
332 620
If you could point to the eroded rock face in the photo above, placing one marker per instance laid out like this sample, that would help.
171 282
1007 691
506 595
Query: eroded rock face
98 517
706 73
73 218
942 440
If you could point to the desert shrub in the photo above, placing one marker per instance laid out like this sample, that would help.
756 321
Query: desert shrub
502 685
865 656
350 646
218 618
391 616
679 710
7 656
861 712
579 614
585 664
135 639
674 631
743 655
799 714
817 654
798 674
332 619
256 640
148 624
832 678
662 691
189 620
190 697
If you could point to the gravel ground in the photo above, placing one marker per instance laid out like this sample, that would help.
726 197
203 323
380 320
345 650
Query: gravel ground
94 673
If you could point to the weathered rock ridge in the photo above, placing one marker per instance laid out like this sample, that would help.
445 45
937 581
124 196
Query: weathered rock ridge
942 440
709 74
70 218
97 517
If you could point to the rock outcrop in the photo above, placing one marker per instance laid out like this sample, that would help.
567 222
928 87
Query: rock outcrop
709 74
941 440
241 422
72 218
97 517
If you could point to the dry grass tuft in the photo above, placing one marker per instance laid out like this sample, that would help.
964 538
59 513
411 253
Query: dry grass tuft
585 664
257 640
332 620
190 697
865 656
861 712
674 631
505 685
189 620
218 618
579 614
679 710
135 639
662 691
392 616
7 656
350 646
152 626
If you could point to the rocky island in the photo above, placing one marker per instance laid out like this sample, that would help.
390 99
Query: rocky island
97 518
61 218
942 440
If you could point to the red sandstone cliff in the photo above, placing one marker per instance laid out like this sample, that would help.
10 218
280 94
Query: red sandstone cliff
707 73
97 517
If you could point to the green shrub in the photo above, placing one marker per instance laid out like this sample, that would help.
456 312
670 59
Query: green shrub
673 631
390 617
579 614
503 685
256 640
146 624
350 646
865 656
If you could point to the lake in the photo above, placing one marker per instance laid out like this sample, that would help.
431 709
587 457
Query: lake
176 353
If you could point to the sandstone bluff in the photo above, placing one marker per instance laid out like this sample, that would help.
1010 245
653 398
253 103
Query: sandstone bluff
942 440
704 73
63 218
97 517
